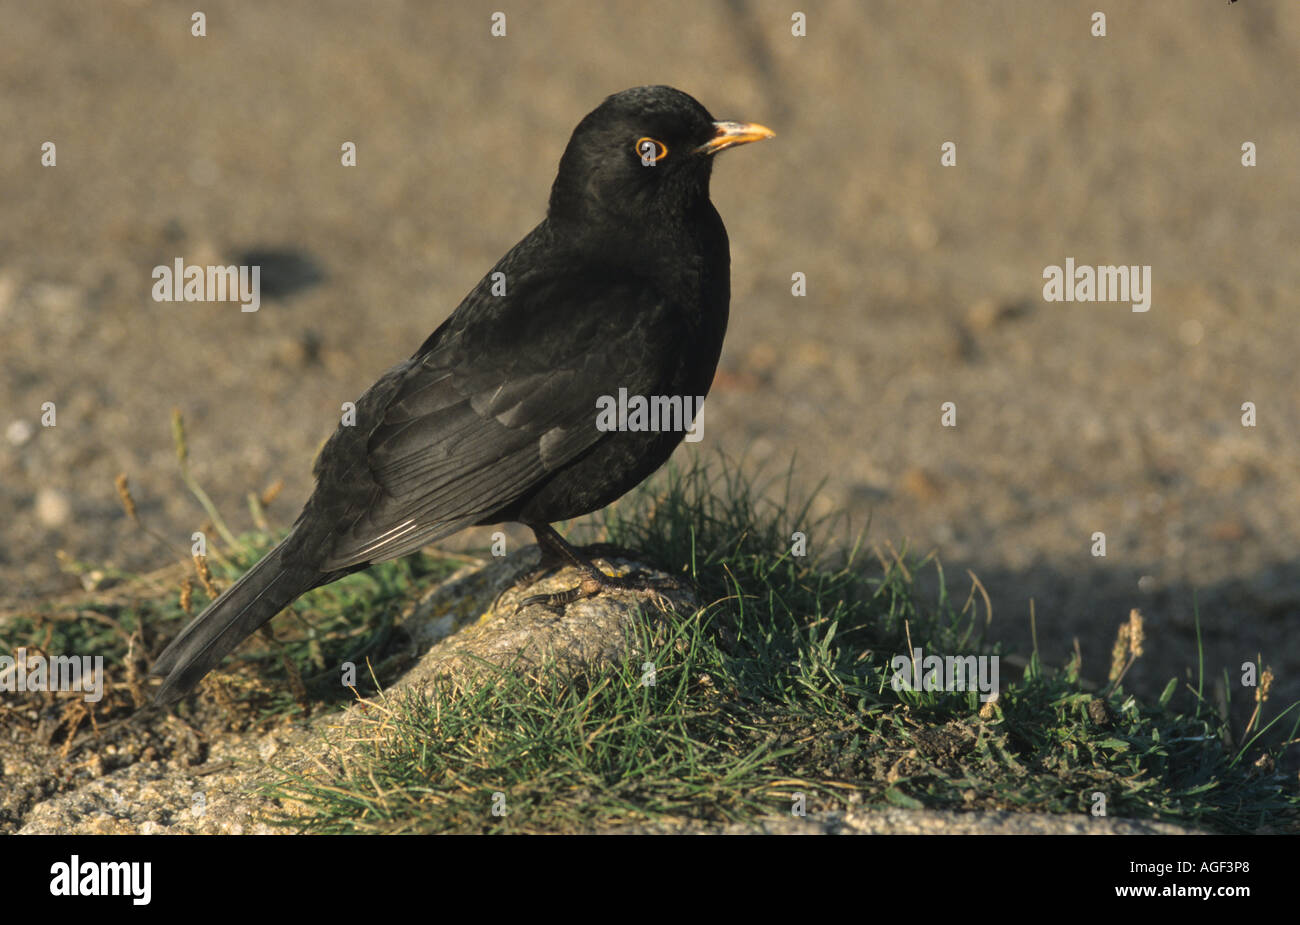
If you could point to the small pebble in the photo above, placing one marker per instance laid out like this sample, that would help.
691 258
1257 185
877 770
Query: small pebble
19 432
52 507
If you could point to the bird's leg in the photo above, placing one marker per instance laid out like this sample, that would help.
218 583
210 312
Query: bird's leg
555 548
549 562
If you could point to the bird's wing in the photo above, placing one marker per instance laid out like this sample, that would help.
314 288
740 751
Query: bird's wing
501 397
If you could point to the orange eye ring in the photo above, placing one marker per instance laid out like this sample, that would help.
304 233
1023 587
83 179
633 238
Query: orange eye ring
650 150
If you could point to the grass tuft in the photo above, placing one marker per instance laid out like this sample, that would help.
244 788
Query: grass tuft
776 696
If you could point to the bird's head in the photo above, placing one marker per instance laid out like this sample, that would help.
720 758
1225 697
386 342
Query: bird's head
643 154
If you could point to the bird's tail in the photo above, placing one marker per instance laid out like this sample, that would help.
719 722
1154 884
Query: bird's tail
263 591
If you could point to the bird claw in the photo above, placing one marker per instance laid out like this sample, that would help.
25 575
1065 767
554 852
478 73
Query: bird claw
594 583
556 603
530 577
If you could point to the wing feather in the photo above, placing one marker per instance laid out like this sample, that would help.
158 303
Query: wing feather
485 413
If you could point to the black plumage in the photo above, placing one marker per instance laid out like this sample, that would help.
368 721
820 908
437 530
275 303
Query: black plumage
624 284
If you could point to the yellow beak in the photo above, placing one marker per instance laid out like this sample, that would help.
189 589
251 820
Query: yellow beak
734 133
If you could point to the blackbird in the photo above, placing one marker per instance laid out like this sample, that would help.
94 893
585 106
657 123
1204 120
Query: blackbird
624 285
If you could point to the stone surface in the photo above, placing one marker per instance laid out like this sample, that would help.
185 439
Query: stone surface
452 627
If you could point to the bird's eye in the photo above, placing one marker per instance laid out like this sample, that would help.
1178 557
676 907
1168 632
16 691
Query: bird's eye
650 150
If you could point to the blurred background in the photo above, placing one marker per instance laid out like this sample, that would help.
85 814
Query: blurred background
924 283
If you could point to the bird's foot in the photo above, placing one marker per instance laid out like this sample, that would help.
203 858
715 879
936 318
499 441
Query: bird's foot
530 577
594 582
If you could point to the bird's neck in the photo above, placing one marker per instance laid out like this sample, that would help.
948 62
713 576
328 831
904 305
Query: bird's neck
639 236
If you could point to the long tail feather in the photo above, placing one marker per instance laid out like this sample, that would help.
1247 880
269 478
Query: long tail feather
262 592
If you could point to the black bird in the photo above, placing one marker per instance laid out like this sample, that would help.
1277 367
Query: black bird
624 285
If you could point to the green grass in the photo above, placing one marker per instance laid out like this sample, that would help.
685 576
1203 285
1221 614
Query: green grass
776 690
779 687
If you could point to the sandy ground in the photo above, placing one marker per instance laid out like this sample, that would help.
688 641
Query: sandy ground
924 282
